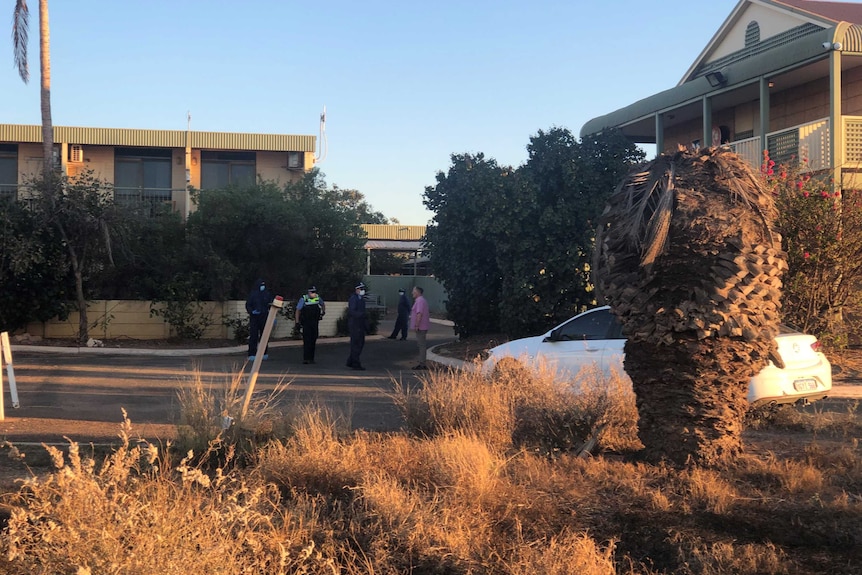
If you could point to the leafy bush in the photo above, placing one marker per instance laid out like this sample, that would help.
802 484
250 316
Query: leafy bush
821 229
239 324
182 310
374 316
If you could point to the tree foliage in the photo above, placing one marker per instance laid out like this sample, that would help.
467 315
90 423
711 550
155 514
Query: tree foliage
33 270
82 212
77 243
821 231
512 247
291 236
462 239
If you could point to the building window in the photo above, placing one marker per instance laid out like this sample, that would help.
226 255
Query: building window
142 176
8 171
224 169
752 34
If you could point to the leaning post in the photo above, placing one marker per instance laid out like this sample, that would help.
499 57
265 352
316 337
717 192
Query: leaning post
274 307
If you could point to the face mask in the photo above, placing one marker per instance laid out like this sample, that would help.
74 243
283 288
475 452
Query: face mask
262 288
362 292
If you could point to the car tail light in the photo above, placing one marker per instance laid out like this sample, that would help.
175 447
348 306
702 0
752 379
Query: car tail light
815 346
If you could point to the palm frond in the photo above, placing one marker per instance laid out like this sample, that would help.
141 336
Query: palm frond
20 28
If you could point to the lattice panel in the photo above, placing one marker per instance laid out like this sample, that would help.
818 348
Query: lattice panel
853 140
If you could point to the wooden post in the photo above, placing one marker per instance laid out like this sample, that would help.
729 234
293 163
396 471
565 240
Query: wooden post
276 305
6 353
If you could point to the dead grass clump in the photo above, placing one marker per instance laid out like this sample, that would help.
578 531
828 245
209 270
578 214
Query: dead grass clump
315 458
565 554
465 401
594 409
720 558
529 409
211 411
813 418
134 514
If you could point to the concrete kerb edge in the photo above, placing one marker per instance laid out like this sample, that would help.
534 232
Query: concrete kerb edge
238 349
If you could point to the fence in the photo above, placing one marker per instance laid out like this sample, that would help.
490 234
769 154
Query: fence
117 319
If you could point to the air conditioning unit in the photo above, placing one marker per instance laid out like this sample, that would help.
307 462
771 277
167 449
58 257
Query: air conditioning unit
76 153
294 160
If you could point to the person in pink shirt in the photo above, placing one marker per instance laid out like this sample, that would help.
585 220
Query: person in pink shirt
420 321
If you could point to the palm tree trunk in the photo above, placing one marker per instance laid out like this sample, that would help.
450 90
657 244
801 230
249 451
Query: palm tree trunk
685 413
45 75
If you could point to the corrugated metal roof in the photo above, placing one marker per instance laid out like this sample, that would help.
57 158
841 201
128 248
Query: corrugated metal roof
393 232
161 138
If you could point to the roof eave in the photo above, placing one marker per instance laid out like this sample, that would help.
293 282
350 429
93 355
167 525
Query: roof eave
802 51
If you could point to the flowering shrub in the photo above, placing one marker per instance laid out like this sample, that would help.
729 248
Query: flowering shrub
821 229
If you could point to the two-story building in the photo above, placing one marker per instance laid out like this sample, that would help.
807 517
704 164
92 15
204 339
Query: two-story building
154 166
779 75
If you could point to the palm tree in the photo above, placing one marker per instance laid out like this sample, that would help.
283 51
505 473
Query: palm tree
688 258
20 33
55 206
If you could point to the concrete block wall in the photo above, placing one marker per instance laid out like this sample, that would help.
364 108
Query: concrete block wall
116 319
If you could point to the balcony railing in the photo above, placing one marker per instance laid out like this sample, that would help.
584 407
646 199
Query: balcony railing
807 143
151 200
8 192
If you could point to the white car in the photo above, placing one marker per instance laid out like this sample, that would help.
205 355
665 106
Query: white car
595 337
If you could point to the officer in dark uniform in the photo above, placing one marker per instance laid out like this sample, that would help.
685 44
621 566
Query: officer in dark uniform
257 306
403 316
309 311
357 323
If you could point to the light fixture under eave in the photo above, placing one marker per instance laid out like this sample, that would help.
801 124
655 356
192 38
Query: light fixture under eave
716 79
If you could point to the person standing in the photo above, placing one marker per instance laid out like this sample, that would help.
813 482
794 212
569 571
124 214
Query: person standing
403 316
257 306
310 309
420 321
357 324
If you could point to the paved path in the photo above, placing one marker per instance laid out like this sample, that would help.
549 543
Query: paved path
80 393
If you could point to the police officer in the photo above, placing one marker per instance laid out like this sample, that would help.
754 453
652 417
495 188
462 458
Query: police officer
357 323
257 306
403 316
310 309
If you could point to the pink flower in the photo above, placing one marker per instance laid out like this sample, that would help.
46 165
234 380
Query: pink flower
800 184
824 194
805 194
806 255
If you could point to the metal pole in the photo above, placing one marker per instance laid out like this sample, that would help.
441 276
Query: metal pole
276 305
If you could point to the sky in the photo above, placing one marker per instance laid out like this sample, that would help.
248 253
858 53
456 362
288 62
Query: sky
405 84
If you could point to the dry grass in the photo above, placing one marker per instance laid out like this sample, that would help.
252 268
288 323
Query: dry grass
521 408
473 489
211 412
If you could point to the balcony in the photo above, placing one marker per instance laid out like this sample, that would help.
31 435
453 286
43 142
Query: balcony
151 200
8 192
807 142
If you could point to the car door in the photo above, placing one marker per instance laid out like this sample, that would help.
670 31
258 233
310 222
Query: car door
579 342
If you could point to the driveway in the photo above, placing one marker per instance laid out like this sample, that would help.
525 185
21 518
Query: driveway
81 394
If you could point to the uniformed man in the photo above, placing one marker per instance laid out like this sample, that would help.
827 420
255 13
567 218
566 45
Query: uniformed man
310 309
357 324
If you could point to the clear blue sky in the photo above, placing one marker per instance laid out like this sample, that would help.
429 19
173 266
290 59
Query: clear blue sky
405 83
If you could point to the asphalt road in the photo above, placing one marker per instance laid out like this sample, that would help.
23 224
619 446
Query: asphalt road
82 395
